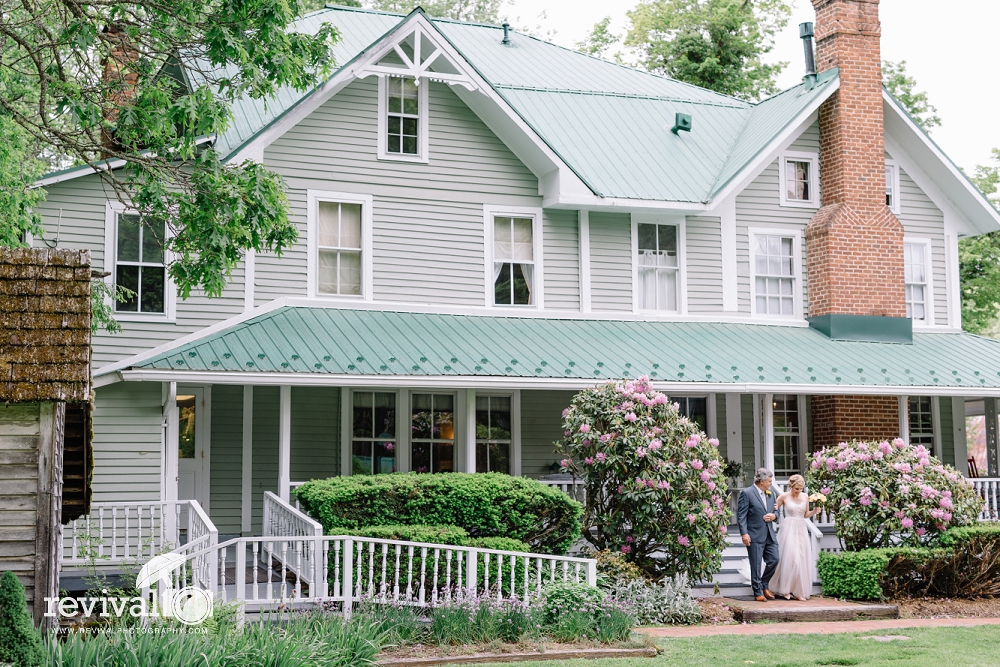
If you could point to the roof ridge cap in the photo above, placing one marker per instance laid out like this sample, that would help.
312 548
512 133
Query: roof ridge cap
736 104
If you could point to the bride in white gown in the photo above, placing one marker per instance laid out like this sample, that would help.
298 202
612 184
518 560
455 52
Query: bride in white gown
796 567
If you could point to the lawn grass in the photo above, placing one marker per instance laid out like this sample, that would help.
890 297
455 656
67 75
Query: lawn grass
927 647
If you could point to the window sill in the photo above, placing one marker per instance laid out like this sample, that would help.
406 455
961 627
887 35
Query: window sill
412 159
145 317
800 204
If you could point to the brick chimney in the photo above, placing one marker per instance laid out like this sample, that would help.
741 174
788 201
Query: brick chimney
120 80
854 242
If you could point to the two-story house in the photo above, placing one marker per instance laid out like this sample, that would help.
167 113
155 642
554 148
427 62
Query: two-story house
489 223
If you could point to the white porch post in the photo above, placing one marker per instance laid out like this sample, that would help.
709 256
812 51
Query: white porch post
285 442
904 418
246 494
734 428
470 430
959 435
768 431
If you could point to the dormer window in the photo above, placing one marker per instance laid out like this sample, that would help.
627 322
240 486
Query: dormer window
402 119
799 180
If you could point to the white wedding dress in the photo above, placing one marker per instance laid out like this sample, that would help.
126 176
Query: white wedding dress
797 563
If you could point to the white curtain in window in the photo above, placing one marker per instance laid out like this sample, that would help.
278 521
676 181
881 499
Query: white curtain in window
526 271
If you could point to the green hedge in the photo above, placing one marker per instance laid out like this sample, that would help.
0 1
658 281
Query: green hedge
965 564
483 504
428 534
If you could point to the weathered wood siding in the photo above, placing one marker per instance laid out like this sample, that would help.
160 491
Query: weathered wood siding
19 434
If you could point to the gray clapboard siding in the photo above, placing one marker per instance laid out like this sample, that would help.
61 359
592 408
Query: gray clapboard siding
265 450
611 262
19 440
315 451
128 432
541 426
704 264
921 218
226 474
759 206
427 227
561 235
808 141
82 202
947 430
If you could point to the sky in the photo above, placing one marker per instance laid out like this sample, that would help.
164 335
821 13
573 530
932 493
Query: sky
951 62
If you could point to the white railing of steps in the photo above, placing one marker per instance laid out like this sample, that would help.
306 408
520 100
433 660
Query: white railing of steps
260 572
118 532
282 520
989 490
571 486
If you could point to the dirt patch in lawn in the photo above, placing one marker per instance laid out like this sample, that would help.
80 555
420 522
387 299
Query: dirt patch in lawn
500 648
948 608
715 612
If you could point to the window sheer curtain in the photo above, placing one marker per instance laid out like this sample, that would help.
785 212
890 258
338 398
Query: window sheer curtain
513 246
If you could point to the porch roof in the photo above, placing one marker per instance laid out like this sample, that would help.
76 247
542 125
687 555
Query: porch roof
308 344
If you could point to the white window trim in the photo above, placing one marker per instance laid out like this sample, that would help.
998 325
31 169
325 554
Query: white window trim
490 212
515 426
928 265
796 235
423 84
659 219
797 156
407 421
894 166
904 421
313 198
112 210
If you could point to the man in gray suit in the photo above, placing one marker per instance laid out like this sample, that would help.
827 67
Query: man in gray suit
755 516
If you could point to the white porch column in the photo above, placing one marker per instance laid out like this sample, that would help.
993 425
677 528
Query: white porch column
583 230
734 428
470 430
768 448
246 494
904 418
285 442
959 435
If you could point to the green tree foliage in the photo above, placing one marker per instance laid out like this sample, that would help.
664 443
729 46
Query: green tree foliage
146 87
20 644
715 44
902 87
599 40
18 170
979 260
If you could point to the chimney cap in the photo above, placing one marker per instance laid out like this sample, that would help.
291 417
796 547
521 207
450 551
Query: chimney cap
806 30
506 33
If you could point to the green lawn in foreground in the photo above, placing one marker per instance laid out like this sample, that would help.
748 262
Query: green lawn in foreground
927 647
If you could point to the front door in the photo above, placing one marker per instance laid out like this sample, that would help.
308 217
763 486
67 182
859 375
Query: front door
192 445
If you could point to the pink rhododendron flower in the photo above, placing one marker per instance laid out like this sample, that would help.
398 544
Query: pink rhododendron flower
586 442
691 518
626 549
682 465
945 503
906 523
705 475
567 432
654 445
722 529
865 500
584 428
640 452
630 417
564 463
697 464
711 486
921 531
630 539
600 456
683 541
589 460
621 489
694 440
663 485
826 490
898 443
714 442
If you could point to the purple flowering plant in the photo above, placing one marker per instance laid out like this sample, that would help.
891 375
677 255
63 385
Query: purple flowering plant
647 471
878 490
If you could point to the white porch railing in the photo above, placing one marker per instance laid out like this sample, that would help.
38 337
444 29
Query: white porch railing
989 490
114 533
282 520
261 572
573 487
291 487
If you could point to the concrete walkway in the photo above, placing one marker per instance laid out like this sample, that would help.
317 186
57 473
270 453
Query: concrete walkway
814 628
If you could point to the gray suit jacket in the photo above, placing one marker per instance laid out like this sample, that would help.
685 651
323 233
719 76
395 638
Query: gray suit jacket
750 515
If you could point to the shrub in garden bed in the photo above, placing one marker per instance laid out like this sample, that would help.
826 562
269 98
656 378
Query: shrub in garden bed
666 602
482 504
655 484
966 563
20 644
881 494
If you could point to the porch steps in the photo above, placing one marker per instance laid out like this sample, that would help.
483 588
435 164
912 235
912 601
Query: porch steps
813 609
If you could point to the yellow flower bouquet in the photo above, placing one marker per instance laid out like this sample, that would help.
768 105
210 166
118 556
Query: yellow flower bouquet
817 498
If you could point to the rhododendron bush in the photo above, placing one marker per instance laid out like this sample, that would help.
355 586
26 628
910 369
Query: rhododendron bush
884 493
654 483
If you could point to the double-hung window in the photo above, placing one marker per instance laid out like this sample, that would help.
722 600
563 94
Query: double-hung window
787 434
915 272
513 261
373 445
493 434
799 180
402 119
659 267
432 435
922 421
139 263
774 276
339 248
892 186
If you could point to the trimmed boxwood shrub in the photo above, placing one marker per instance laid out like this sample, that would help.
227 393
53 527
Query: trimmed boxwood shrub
966 564
499 544
20 644
428 534
483 504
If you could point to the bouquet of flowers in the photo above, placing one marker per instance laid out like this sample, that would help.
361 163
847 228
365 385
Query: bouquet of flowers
817 498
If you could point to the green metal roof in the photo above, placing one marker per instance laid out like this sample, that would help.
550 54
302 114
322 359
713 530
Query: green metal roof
609 123
323 341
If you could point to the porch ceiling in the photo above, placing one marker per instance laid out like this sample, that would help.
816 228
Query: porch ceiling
294 344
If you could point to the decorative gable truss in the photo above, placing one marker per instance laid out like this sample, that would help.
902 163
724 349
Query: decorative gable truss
418 56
